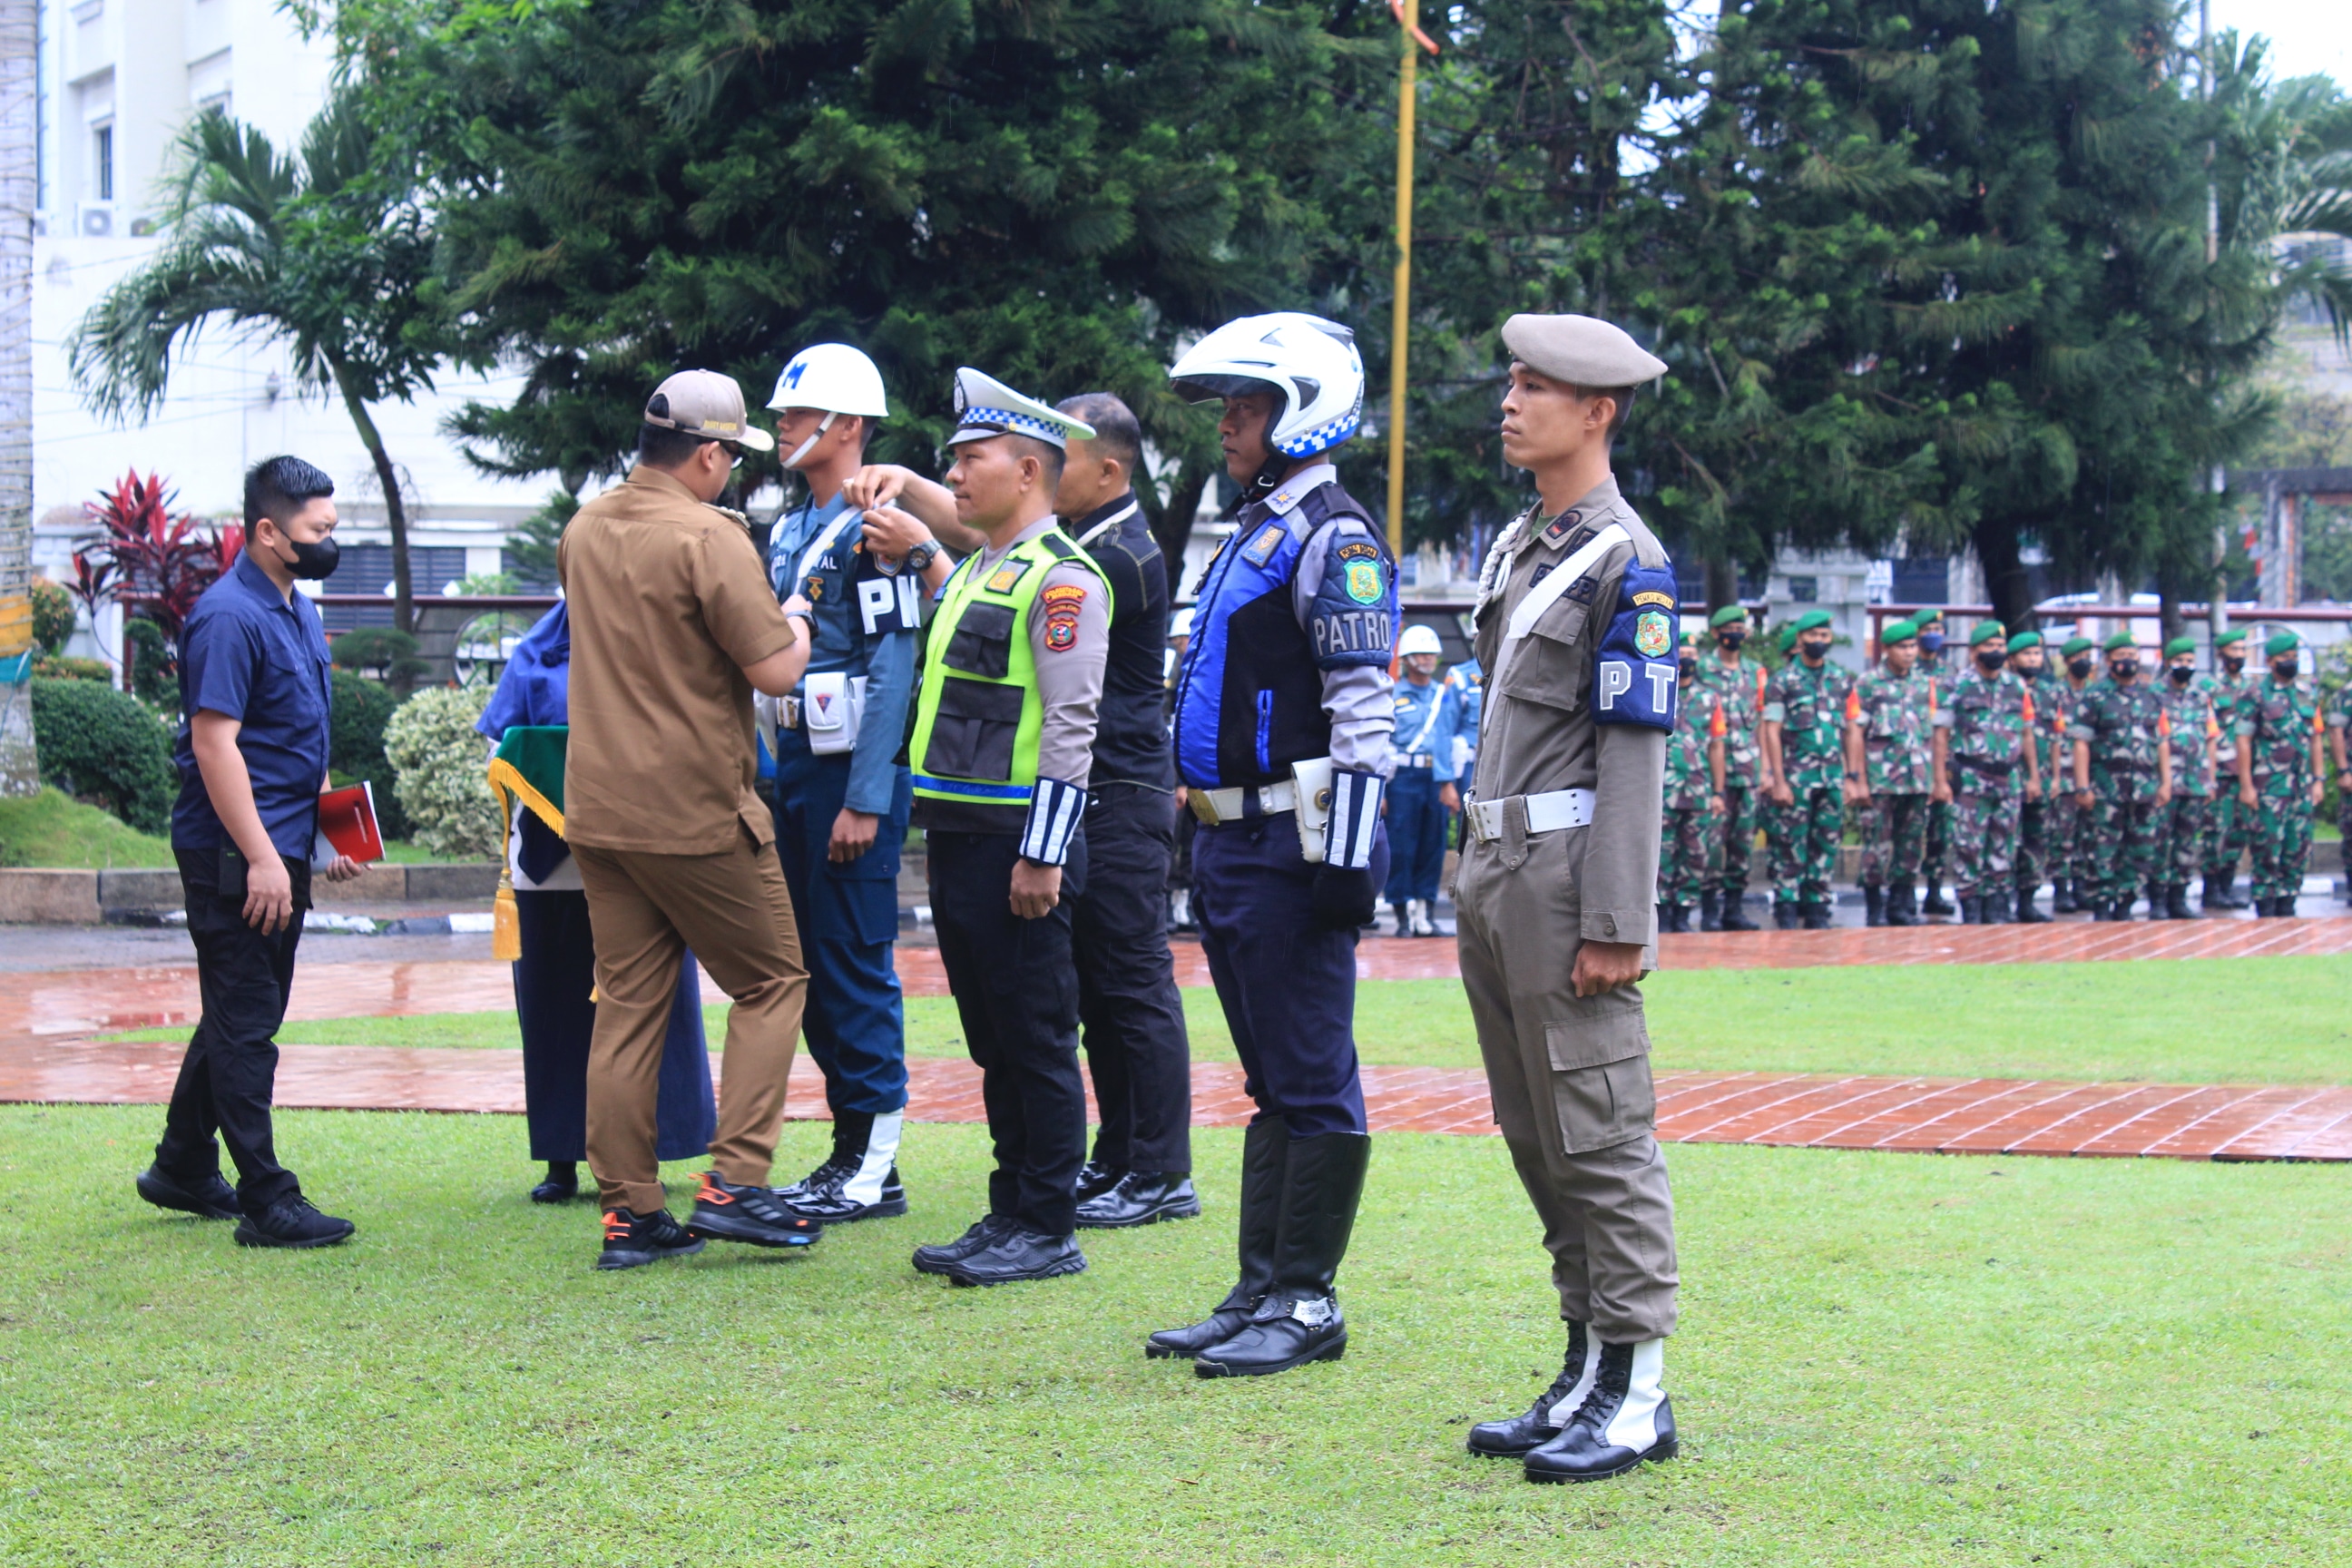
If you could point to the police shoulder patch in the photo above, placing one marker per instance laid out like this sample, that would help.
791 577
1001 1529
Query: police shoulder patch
1652 596
1261 549
813 587
1653 632
1366 582
1002 579
1560 527
1063 601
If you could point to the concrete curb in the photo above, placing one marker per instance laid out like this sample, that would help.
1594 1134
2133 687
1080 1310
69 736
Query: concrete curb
45 897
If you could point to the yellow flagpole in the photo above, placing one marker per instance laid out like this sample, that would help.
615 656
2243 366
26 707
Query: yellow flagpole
1407 15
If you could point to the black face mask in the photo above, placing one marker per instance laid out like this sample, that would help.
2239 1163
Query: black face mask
2233 662
2079 668
2124 669
1730 638
1991 660
1814 652
2183 674
314 562
2287 669
1688 666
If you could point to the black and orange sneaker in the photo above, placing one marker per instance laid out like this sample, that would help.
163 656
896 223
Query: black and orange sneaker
632 1240
724 1210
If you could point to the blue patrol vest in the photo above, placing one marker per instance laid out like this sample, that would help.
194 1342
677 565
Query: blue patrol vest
1249 694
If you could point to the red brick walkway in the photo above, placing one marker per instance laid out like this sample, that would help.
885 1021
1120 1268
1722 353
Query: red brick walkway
1986 1116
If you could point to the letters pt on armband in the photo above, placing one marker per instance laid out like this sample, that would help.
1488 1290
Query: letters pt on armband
1633 673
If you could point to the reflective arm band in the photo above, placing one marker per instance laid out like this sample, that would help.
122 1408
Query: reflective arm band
1055 811
1355 818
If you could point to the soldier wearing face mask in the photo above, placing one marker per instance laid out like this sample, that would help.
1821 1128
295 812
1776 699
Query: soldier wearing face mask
2123 776
2070 840
2282 763
1937 854
2227 837
1985 767
1694 792
1805 715
1737 681
2182 826
2030 664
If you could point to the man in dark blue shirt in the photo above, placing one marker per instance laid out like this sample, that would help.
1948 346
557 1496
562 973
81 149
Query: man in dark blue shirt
252 757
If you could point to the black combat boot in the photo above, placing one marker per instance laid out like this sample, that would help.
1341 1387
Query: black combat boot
1815 915
2176 902
2231 897
1624 1421
1553 1408
849 1130
1786 915
1972 909
1934 902
1902 903
1298 1319
2063 900
1734 911
1874 906
2027 914
1672 917
2214 896
1710 909
1266 1156
1992 906
861 1180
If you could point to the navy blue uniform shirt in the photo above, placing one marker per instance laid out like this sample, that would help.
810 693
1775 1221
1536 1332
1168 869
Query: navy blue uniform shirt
250 656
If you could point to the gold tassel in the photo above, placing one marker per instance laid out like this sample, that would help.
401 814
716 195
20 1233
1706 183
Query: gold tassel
506 923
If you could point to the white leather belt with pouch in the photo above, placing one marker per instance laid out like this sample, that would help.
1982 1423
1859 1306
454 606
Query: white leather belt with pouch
1547 812
1306 792
832 706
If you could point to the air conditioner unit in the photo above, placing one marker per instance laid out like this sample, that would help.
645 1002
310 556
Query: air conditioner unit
95 220
141 224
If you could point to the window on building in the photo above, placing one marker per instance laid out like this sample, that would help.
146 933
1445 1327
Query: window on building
101 160
1805 590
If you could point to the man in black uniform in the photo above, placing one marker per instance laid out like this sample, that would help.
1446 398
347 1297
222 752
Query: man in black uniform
1132 1017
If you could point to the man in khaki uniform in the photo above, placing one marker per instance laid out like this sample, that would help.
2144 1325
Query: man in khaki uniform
1576 624
672 627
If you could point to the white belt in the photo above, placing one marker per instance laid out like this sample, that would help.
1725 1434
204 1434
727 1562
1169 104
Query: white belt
1215 806
1547 812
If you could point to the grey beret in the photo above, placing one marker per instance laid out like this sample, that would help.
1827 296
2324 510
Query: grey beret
1584 350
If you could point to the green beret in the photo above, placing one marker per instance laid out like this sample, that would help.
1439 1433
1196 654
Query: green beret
2073 646
1726 615
1812 620
2235 634
1898 631
2119 641
1987 631
1924 618
2179 646
2281 642
2024 640
1690 640
1788 638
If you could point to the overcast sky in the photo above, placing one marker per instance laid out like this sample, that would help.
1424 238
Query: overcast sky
2306 35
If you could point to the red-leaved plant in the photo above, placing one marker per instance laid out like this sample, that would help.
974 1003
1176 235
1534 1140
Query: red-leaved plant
155 564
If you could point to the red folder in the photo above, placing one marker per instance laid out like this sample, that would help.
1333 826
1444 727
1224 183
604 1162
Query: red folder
347 822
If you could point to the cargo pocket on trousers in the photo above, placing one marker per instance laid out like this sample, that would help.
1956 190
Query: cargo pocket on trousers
974 732
1601 1087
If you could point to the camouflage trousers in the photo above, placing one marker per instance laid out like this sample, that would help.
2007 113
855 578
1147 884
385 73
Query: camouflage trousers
2124 847
2227 836
1937 856
1984 841
1685 839
2183 824
2032 866
2062 829
1893 838
1733 840
2282 844
1812 826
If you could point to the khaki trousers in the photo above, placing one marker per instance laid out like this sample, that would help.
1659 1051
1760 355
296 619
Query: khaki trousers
732 908
1570 1081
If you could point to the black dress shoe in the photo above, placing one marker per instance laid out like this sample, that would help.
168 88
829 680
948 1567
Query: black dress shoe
632 1240
935 1258
1017 1253
1094 1179
1187 1342
1141 1197
292 1222
1553 1407
562 1185
207 1197
731 1211
1284 1332
1625 1421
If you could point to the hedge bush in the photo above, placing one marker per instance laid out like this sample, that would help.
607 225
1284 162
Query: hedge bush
441 767
355 744
105 747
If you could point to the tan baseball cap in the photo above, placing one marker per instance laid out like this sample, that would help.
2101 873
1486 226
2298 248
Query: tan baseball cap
706 403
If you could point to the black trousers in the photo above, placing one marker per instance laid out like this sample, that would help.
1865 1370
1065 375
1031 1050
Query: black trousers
1016 992
230 1070
1132 1016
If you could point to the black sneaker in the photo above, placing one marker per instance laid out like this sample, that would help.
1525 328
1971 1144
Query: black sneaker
1017 1253
936 1257
1141 1197
208 1198
292 1222
724 1210
836 1203
632 1240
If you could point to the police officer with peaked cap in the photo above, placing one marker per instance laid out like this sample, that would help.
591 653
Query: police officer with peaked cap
1576 625
1282 722
1002 743
842 796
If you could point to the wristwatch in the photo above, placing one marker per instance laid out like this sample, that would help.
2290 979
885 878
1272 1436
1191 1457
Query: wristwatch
919 558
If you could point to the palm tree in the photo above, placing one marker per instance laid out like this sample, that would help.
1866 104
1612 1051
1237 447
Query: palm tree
20 765
327 252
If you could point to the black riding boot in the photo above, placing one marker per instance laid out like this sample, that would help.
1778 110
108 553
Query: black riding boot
1874 906
1298 1319
1266 1156
1710 909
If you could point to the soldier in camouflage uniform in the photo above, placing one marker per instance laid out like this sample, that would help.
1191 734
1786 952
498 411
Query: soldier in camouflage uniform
1985 767
2182 827
1890 757
2123 776
1771 816
1694 794
2070 840
1804 746
2281 751
1937 858
2226 839
1737 682
2030 666
2339 720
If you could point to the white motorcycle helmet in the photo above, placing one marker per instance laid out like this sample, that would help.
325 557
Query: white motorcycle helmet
1418 640
1309 364
835 378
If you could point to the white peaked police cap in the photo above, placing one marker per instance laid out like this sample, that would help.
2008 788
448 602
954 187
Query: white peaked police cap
985 406
833 377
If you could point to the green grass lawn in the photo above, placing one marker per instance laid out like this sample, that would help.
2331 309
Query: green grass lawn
1884 1359
2236 1020
53 829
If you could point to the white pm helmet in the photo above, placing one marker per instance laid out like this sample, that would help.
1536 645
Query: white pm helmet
1180 624
1418 640
833 377
1310 364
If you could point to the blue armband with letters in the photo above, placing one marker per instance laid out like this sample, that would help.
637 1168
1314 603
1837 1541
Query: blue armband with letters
1353 619
1634 674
